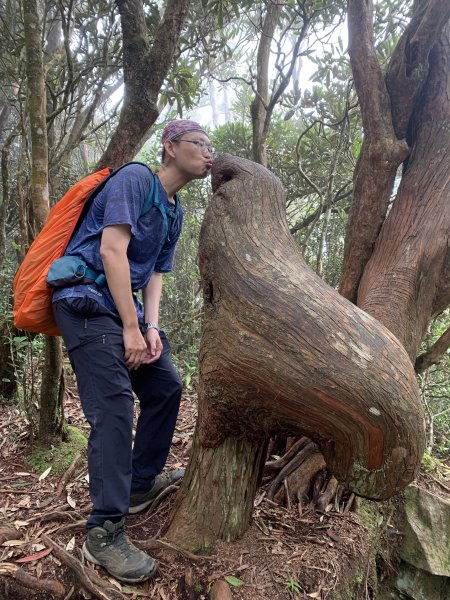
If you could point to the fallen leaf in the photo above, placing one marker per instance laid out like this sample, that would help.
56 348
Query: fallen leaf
314 595
70 544
333 536
115 583
25 502
70 501
15 543
20 523
38 547
45 473
234 581
44 502
35 556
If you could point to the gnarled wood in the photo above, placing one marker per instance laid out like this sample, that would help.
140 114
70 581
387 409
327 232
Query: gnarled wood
283 351
293 352
381 151
410 266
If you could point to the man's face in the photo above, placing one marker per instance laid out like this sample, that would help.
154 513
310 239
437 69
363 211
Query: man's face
193 154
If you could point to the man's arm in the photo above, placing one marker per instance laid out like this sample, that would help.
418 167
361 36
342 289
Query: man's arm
152 296
113 250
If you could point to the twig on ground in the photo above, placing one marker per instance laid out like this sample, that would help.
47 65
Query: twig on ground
441 483
153 543
168 490
67 475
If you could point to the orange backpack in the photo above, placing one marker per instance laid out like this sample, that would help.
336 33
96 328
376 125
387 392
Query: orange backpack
32 298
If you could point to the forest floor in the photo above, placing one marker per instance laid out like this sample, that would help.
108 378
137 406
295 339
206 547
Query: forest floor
285 554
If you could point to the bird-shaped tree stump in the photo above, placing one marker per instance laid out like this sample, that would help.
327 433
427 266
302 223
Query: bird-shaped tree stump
282 351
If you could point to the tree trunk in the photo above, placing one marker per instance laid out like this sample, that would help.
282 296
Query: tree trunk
8 382
230 473
407 280
39 201
391 109
37 104
52 388
293 356
260 103
381 151
145 69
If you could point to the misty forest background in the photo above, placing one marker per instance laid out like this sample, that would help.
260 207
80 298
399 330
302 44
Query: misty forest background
271 82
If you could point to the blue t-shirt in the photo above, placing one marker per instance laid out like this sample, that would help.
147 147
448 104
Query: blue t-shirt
150 249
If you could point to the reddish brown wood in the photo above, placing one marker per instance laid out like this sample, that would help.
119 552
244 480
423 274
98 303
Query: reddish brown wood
381 151
407 280
283 351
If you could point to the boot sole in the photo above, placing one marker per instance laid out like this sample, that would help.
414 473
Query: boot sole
93 560
139 507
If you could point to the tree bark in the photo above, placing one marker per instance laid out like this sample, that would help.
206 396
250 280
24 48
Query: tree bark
40 202
260 103
381 151
390 110
230 473
407 280
37 111
294 356
145 68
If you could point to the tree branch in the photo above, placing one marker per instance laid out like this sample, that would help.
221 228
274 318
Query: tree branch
381 151
408 67
145 69
433 355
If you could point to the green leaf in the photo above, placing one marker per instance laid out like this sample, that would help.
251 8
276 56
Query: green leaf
234 581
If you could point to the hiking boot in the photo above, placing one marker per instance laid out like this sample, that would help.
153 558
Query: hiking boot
109 547
162 481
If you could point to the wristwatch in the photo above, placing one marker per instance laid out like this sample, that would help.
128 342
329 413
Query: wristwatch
148 326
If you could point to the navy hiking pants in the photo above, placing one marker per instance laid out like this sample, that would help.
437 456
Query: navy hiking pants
94 340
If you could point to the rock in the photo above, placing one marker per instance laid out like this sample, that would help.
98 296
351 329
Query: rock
426 544
417 585
220 591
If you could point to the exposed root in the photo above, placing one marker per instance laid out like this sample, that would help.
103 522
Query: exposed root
290 467
29 581
327 494
153 544
84 577
276 465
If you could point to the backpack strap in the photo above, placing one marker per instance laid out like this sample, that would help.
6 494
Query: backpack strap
90 199
153 200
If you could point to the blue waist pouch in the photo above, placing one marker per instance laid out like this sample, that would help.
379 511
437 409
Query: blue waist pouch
72 270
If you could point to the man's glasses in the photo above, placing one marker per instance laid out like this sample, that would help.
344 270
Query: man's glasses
200 145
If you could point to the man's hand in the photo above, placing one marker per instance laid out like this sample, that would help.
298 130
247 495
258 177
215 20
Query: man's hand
135 347
154 346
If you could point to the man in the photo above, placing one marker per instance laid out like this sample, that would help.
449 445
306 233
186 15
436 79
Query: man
115 345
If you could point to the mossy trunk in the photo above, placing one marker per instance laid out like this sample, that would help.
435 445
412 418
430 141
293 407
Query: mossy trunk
52 391
8 382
